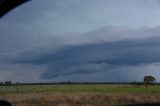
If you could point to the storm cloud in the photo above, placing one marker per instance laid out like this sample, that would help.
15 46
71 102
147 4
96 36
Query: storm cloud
81 40
91 58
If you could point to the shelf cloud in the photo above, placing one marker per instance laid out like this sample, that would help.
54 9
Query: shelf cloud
79 40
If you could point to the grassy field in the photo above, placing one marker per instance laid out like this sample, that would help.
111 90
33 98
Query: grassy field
83 95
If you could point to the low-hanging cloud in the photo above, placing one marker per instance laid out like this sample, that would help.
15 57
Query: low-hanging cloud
20 72
91 58
76 69
116 74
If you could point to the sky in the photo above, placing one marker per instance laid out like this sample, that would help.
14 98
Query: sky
81 40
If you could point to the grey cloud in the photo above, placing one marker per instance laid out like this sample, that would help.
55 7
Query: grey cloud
23 26
21 72
103 34
68 38
76 69
120 74
67 60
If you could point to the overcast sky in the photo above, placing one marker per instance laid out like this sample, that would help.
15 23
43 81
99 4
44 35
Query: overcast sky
81 40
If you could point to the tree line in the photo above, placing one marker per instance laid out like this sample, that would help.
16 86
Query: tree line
147 80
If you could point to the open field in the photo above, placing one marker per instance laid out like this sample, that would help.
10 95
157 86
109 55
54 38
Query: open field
83 95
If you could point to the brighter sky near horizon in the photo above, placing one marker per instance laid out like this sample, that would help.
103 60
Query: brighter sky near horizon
81 40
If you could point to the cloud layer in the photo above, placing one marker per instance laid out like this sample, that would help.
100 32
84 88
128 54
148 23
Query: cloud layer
91 58
79 40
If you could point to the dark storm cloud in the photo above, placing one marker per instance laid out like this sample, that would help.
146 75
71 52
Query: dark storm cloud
34 34
91 58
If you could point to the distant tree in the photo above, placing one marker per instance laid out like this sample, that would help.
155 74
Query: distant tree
17 83
86 83
149 80
8 83
1 83
136 84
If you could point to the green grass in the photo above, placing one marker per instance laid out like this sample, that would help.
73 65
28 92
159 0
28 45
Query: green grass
78 88
83 95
